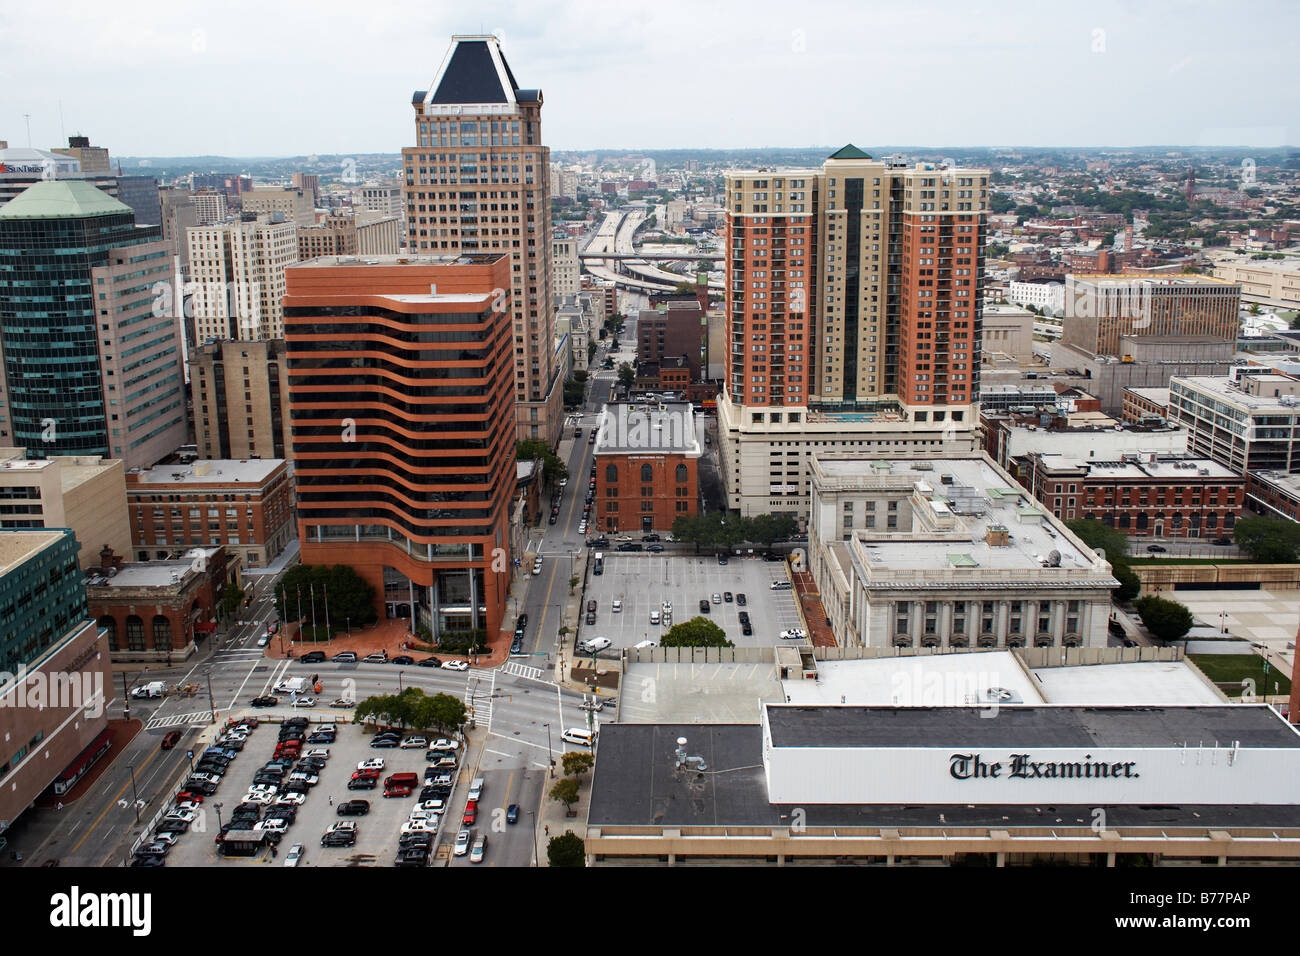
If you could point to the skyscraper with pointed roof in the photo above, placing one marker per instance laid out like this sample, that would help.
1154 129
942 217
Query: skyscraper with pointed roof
478 181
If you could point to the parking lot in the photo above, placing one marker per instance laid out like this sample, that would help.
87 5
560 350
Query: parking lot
644 581
377 832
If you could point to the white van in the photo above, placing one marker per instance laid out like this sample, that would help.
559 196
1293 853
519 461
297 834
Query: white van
577 735
639 645
594 644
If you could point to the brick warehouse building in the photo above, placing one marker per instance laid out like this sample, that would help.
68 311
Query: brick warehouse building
244 505
401 395
647 466
1145 496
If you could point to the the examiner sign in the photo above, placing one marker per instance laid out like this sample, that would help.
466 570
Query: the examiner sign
1021 767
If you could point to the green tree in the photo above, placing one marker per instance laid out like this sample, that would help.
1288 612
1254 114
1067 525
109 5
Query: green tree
1114 544
697 632
1268 540
566 792
445 712
231 598
553 469
566 850
591 351
340 596
1166 620
573 583
626 375
576 763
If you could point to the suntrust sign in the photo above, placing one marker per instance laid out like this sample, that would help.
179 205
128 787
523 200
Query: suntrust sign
1023 767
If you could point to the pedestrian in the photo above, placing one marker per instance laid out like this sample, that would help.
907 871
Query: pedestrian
331 801
547 828
60 804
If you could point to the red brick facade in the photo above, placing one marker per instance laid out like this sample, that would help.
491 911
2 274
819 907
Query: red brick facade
644 492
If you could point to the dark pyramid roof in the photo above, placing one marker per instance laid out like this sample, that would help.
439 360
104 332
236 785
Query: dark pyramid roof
849 152
471 76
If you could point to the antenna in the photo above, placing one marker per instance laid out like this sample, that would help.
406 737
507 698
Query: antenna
28 118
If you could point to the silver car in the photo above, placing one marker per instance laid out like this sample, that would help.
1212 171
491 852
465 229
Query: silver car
462 843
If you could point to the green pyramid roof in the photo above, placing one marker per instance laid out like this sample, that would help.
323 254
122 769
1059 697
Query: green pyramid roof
61 199
849 152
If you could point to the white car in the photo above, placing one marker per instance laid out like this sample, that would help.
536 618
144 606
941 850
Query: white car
374 763
717 598
294 856
462 843
260 796
455 665
339 825
417 826
563 482
290 799
793 634
411 743
668 607
308 778
654 617
442 743
325 729
617 606
432 806
322 752
421 815
273 825
264 640
166 837
305 702
187 805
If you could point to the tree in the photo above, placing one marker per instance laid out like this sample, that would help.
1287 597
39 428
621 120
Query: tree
697 632
566 850
591 351
626 375
445 712
1166 620
231 598
577 763
573 583
553 469
1269 540
566 792
340 596
1114 543
1129 583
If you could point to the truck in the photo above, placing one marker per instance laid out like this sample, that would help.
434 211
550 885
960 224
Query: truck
292 685
152 689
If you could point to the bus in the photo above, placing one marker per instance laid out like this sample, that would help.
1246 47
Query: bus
85 760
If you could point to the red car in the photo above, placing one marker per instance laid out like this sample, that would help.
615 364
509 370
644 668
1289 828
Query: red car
173 737
187 795
397 791
471 812
365 774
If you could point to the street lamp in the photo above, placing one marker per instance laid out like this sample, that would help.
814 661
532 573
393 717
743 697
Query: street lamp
217 806
550 757
537 852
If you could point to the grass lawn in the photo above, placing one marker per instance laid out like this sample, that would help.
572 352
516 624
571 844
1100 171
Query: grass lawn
1234 668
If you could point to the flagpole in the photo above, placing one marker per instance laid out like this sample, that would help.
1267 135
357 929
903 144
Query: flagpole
313 610
325 589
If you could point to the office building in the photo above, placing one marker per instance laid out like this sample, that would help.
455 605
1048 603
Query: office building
1273 494
647 466
1145 405
77 270
309 183
1101 309
400 372
378 234
55 675
478 182
85 493
948 552
382 198
1145 496
244 505
142 195
1266 283
566 269
295 205
853 304
888 785
240 395
178 214
361 233
675 331
1249 424
210 205
93 159
238 273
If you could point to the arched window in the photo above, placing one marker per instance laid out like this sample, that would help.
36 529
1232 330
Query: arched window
647 473
162 633
134 633
681 474
110 625
1142 521
611 474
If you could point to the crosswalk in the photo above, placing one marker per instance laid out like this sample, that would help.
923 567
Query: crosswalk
196 719
516 669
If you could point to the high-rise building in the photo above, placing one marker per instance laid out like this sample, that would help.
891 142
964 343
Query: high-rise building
853 314
76 272
296 205
141 194
566 269
478 181
54 670
362 233
93 159
210 206
384 198
308 183
178 215
240 396
401 408
1102 309
238 271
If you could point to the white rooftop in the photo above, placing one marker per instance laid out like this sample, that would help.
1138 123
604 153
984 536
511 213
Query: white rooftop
148 574
1147 683
208 471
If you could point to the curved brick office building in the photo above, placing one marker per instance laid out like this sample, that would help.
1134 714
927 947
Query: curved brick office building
402 416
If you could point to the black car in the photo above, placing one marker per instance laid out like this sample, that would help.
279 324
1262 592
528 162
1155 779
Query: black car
296 721
205 787
313 657
353 808
415 839
321 739
704 607
551 520
283 811
744 617
747 629
630 547
722 559
429 662
649 538
512 813
209 765
727 596
363 783
591 617
1223 541
412 856
773 556
297 786
516 646
264 701
311 765
274 779
403 660
601 542
655 548
339 838
1156 549
522 622
741 600
383 743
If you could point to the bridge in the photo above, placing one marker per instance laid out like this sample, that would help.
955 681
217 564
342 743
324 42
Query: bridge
611 256
655 256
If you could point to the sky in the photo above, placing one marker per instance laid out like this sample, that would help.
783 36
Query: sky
241 78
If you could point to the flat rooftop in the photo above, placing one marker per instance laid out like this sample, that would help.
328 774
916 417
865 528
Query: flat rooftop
647 427
1254 726
147 574
321 262
74 470
1169 468
1138 683
1223 389
635 784
206 472
19 546
1290 484
937 680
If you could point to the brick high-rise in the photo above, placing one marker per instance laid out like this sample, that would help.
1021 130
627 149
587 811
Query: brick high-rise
853 316
401 412
477 182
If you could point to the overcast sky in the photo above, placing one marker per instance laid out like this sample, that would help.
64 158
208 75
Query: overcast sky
241 78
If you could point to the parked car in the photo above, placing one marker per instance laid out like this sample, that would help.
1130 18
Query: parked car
479 850
793 634
313 657
353 808
402 660
741 600
339 838
429 662
410 743
455 665
462 843
345 657
704 607
294 856
1156 549
379 657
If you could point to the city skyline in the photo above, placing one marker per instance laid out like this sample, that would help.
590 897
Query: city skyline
191 70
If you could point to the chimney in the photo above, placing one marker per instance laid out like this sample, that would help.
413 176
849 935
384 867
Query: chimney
106 557
998 536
